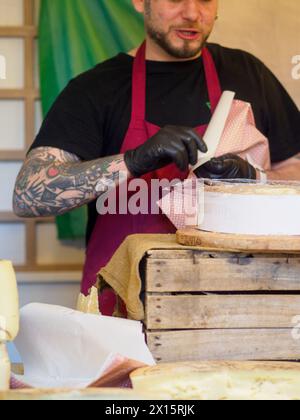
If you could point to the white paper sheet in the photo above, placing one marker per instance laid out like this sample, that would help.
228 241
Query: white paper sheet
64 348
215 128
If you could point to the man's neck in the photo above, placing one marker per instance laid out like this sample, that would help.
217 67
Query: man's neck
155 53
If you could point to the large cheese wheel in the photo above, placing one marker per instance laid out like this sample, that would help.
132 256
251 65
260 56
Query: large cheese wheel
251 209
221 380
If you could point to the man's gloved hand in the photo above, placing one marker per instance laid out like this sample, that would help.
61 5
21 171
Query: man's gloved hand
226 167
171 144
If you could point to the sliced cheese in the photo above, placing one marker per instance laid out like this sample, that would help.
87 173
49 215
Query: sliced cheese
9 302
89 304
4 368
221 381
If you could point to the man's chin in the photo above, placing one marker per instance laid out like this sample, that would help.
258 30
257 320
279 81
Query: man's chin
186 52
183 49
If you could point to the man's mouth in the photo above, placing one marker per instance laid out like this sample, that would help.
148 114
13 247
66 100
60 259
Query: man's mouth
188 34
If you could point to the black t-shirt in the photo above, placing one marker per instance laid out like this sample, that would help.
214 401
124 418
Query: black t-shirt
91 116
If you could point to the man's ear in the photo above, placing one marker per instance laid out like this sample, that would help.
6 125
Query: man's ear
139 5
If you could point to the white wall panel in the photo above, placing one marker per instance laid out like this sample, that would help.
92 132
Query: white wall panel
52 294
13 52
12 125
12 242
266 28
38 116
11 12
52 251
8 175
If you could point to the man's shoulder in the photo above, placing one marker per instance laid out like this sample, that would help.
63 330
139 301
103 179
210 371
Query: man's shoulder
226 55
105 74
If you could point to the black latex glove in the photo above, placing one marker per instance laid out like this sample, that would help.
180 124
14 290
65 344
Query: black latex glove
171 144
226 167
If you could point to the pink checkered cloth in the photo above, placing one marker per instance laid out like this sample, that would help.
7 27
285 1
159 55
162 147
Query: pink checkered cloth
17 384
240 137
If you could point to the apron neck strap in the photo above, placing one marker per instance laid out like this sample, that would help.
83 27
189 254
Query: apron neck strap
212 79
139 85
139 82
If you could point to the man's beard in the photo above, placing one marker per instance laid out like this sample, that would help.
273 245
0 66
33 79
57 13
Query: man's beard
161 39
184 52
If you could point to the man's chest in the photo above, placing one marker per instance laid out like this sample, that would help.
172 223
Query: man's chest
174 102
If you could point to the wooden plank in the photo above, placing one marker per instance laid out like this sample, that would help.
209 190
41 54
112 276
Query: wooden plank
30 243
19 94
18 31
255 344
199 273
12 156
253 243
29 12
47 268
12 218
182 254
165 312
29 122
177 254
31 240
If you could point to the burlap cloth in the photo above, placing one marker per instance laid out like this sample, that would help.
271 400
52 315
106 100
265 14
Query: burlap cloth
122 273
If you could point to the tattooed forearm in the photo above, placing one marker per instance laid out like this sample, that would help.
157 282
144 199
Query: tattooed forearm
52 182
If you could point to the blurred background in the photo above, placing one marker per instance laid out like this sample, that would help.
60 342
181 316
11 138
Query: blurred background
44 43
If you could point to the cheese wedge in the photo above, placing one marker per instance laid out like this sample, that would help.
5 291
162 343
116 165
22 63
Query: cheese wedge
221 380
4 368
89 304
9 302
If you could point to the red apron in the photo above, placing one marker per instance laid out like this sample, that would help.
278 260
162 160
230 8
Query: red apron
111 230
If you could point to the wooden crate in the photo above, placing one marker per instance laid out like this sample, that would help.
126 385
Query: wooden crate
222 306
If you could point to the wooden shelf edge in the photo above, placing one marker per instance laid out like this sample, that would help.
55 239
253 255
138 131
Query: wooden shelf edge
12 156
51 277
11 217
32 94
19 31
48 268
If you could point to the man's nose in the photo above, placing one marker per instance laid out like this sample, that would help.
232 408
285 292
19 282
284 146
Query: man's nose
191 9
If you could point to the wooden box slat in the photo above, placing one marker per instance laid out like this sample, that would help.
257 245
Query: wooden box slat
221 311
258 344
215 305
200 273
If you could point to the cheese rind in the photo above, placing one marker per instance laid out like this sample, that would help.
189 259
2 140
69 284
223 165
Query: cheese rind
276 189
9 302
4 368
221 381
251 209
